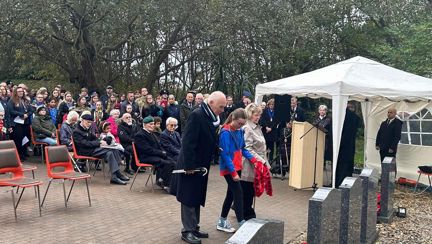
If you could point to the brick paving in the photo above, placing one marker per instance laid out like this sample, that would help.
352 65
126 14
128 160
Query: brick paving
118 215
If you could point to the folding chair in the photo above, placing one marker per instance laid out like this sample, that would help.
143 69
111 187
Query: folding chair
10 163
37 144
142 165
58 156
425 170
96 161
9 144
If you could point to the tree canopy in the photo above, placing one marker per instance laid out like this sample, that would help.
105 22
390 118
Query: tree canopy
205 44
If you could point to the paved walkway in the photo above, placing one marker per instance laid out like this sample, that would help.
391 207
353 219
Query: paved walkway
118 215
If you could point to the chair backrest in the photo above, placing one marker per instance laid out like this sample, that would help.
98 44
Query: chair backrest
58 137
57 156
10 162
32 136
135 154
7 144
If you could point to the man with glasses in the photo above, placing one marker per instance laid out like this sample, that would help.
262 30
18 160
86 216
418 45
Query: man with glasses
126 131
170 139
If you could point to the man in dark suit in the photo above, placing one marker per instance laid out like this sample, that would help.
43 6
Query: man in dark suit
388 135
150 151
296 113
199 142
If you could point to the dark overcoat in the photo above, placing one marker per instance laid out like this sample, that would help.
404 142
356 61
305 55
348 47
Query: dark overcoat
198 148
388 137
148 148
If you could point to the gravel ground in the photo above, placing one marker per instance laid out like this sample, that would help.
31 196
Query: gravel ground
415 228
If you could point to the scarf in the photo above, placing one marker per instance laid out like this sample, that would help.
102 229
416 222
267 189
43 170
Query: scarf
215 119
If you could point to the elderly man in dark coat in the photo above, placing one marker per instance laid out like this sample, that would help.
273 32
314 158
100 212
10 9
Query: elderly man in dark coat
388 135
198 147
150 151
170 139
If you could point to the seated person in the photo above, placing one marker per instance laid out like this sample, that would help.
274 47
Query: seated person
67 128
88 144
126 131
170 139
112 119
93 127
150 151
107 136
43 127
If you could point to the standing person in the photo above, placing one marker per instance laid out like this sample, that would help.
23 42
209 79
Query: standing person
256 145
388 135
324 122
185 110
296 112
269 127
173 110
345 162
232 144
228 109
105 97
199 142
20 112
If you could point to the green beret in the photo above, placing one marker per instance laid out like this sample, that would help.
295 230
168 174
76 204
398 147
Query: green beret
148 119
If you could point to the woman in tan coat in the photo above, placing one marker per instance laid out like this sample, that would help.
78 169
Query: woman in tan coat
256 145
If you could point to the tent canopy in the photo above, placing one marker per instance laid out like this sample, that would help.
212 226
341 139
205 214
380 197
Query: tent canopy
359 79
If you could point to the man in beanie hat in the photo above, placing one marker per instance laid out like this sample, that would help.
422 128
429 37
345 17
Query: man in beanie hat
88 144
150 151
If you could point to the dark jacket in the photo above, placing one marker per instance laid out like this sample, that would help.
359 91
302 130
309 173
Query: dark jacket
19 110
171 143
123 105
153 110
43 126
148 148
298 114
66 131
326 125
184 114
269 120
199 144
388 135
126 133
85 141
62 110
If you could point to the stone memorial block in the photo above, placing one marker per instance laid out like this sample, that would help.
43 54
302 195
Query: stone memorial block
350 216
388 176
257 231
368 232
324 216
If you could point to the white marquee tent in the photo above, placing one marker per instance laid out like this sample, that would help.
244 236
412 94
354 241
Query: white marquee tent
378 87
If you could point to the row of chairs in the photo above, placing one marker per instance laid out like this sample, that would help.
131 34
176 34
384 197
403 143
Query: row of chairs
55 157
59 167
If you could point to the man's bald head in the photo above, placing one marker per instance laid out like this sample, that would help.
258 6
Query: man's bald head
217 102
391 113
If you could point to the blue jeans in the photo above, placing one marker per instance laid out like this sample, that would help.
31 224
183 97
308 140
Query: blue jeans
49 140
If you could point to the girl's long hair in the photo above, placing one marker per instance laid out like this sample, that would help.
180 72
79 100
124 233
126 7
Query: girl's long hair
239 113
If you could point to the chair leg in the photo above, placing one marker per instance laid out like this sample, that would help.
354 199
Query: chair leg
88 192
418 179
33 175
46 191
70 191
39 202
64 193
133 181
151 178
19 199
13 202
42 153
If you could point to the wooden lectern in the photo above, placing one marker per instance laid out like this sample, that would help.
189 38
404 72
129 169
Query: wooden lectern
302 162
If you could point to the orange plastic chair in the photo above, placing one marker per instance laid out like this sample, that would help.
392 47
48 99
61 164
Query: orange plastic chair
10 163
37 144
96 161
9 144
142 165
58 156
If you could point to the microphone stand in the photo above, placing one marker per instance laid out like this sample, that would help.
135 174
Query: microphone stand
314 186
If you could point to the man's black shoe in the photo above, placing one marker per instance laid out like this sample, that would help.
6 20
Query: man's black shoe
83 168
201 234
122 176
117 181
128 171
189 237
